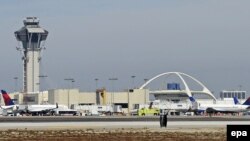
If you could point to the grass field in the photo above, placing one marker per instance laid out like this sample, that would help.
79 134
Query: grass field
209 134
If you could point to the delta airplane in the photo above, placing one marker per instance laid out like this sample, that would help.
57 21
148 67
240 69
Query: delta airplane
222 108
31 109
35 109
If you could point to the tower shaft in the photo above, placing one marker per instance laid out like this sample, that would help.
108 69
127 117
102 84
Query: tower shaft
31 71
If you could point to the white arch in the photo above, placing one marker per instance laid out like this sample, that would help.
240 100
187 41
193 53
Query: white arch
188 91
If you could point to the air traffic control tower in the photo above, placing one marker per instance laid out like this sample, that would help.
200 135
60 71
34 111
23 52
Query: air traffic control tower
31 37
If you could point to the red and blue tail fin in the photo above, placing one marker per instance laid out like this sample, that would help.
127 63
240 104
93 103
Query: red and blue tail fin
236 101
7 100
247 102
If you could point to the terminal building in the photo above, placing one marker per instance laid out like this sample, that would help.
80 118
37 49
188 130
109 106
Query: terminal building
72 97
241 95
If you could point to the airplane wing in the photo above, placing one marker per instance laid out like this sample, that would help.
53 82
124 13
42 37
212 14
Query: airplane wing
7 107
37 110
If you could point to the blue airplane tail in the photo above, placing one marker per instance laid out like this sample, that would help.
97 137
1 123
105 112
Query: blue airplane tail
236 101
7 100
247 102
191 99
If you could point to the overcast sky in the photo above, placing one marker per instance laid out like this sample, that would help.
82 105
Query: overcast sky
88 39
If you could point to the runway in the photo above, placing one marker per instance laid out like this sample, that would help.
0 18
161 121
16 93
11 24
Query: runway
118 118
70 122
113 125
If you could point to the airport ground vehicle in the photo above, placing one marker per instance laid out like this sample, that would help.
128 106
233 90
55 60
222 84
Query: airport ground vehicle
154 107
148 111
98 110
64 112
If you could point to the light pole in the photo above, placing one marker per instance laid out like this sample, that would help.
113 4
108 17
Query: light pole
112 95
15 78
73 84
128 102
240 86
96 83
145 81
133 81
145 95
41 89
70 80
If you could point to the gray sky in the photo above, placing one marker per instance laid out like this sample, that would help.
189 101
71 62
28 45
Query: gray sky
102 39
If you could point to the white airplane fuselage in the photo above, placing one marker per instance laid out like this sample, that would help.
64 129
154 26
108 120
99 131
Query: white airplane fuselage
223 107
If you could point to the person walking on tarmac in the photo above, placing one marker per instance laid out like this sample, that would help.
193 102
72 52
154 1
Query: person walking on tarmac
163 118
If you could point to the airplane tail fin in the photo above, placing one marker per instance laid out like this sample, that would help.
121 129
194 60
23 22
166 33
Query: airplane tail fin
247 102
236 101
192 99
194 104
7 100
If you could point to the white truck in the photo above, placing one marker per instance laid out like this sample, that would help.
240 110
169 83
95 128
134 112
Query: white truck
97 110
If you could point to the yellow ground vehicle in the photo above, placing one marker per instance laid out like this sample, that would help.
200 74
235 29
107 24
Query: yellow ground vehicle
148 111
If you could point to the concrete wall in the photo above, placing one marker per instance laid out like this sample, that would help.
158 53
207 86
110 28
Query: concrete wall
87 97
138 97
63 96
73 96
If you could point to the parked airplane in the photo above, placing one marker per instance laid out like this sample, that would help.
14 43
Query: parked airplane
22 109
48 109
215 108
37 109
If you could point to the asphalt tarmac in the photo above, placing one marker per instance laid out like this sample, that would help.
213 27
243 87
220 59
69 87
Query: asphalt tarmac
119 118
114 125
43 123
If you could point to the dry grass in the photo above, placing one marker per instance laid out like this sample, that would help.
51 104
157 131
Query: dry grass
114 135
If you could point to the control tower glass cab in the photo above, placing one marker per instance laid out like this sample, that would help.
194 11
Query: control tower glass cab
31 36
